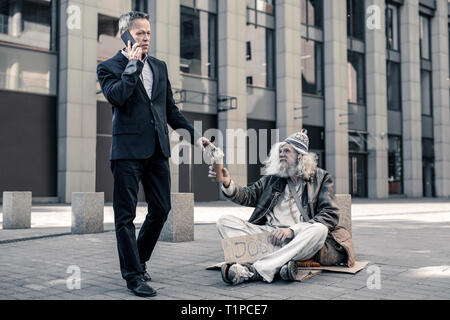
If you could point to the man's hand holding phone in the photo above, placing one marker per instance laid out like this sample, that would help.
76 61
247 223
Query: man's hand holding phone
134 52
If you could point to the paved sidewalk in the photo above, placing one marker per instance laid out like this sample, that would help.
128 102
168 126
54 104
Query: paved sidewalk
408 241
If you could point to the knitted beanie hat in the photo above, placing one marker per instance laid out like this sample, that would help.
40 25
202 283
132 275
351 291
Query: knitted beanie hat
299 141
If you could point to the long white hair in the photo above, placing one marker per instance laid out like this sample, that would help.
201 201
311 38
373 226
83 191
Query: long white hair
306 166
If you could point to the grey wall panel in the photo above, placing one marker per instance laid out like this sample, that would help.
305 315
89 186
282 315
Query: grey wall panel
356 117
394 122
201 96
313 108
261 103
427 127
28 157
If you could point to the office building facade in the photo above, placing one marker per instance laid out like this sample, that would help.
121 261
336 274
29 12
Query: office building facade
369 79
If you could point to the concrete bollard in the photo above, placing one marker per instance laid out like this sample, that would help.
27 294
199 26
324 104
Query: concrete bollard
87 212
344 203
179 225
16 210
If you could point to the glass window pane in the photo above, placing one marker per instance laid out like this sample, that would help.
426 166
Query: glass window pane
393 86
316 13
260 66
197 42
270 58
311 13
311 67
26 22
28 70
356 78
395 164
425 37
426 92
356 19
392 27
303 8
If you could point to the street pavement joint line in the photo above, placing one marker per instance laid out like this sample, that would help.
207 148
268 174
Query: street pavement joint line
41 237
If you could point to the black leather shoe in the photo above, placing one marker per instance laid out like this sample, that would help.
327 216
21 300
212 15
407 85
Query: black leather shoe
140 288
145 276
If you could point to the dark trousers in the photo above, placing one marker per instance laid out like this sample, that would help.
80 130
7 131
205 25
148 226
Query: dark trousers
155 176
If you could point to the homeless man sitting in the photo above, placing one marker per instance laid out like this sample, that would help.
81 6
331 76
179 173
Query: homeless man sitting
309 235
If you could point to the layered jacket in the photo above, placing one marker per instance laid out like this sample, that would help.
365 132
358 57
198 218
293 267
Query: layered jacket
318 202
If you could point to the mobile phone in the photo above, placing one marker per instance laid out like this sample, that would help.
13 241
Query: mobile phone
126 36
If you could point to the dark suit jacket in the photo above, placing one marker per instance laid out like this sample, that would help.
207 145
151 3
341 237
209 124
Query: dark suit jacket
137 121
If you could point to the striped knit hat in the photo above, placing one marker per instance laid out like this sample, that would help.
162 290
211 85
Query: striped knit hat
299 141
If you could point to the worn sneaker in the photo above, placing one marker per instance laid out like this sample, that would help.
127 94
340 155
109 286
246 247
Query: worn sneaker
289 271
238 273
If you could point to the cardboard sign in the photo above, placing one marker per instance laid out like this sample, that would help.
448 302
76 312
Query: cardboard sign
247 249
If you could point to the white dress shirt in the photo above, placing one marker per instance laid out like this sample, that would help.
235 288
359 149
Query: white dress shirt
146 76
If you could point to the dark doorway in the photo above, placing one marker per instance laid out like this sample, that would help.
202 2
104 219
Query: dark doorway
357 175
194 177
428 177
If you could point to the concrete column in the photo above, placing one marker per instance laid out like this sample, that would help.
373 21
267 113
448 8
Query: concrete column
232 82
77 101
165 45
15 18
288 67
441 118
336 97
376 105
411 111
12 74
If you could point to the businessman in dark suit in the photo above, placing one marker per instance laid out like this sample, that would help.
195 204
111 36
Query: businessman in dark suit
139 90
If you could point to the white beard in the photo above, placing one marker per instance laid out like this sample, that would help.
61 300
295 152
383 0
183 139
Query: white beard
289 170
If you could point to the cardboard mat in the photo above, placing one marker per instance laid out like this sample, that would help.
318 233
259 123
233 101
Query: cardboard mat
359 265
306 273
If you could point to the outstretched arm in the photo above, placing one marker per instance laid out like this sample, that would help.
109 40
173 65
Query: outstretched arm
245 196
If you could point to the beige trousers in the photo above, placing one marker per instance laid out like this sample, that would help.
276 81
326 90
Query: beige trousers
303 246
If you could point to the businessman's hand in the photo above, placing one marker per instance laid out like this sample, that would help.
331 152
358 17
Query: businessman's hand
279 236
203 142
134 52
226 177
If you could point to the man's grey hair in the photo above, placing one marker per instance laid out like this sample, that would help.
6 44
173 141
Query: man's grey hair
126 20
305 167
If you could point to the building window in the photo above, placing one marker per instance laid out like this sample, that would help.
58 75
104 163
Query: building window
428 172
395 164
266 6
260 56
356 78
356 19
425 37
312 71
312 13
357 148
198 42
140 5
392 27
425 79
394 100
28 23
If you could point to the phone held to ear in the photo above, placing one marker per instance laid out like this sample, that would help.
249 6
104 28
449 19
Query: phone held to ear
126 36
